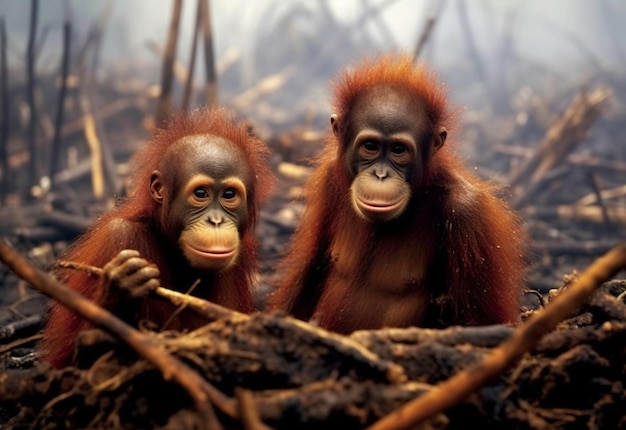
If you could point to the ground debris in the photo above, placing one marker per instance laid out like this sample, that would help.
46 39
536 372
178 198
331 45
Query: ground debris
302 376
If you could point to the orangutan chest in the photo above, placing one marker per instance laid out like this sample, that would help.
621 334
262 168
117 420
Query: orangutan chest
396 267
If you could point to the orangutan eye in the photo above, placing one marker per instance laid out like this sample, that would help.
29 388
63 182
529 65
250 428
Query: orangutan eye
370 145
398 149
201 193
229 194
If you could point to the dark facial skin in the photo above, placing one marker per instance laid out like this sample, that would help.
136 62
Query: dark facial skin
201 187
387 143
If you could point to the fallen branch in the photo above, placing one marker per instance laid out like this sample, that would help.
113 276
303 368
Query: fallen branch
592 214
210 310
562 137
198 388
570 247
579 160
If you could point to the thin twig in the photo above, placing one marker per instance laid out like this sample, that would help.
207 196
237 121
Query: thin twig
605 195
56 143
205 308
192 58
248 411
210 310
179 307
9 330
171 368
165 103
209 56
617 214
19 342
92 270
561 138
595 186
583 160
89 84
428 29
30 94
95 148
466 382
4 121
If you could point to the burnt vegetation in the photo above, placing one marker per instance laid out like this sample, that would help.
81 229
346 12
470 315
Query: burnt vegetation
68 131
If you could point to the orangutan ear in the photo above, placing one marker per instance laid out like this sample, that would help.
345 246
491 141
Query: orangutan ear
156 187
334 124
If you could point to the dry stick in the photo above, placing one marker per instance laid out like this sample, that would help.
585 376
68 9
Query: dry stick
94 34
102 165
593 214
95 149
209 56
374 14
247 410
73 127
563 135
466 382
267 85
430 24
9 330
4 121
164 104
192 58
108 162
583 160
606 194
171 368
595 186
56 143
30 94
208 309
19 342
571 247
427 31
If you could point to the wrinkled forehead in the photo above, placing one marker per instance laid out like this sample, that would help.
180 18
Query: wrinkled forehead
206 154
389 109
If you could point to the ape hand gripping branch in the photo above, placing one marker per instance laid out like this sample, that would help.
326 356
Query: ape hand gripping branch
189 217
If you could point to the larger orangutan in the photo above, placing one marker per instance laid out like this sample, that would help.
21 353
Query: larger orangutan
189 218
396 232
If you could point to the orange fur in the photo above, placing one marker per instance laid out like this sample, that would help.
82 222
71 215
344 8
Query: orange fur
454 257
136 224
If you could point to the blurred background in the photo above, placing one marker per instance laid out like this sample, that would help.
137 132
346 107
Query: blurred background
540 87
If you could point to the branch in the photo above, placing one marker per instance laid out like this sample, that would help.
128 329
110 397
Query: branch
209 56
165 103
210 310
58 123
4 121
561 138
171 368
30 93
192 60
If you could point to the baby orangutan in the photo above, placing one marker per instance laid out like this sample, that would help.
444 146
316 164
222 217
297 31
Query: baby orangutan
396 232
190 217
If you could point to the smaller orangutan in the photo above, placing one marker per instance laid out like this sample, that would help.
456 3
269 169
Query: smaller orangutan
396 232
188 220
